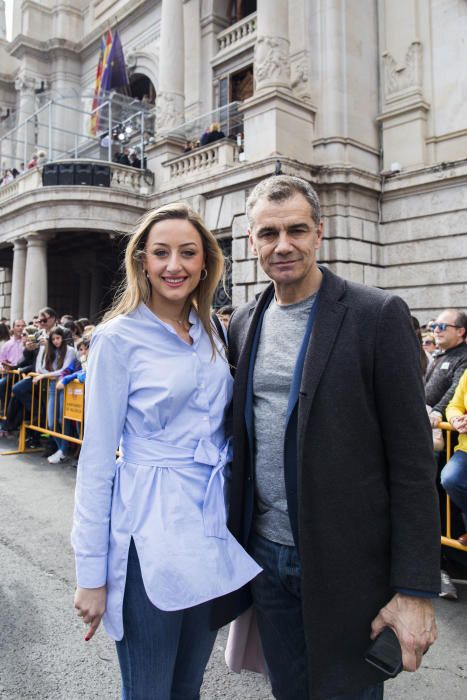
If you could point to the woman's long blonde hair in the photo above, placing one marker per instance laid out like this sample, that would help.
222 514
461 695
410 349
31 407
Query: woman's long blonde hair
136 287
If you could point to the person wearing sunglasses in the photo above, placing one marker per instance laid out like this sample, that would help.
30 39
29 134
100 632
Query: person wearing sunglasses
47 320
429 343
450 361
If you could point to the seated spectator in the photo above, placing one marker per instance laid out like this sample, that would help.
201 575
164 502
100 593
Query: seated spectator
212 133
75 329
454 474
135 162
124 157
188 146
4 334
48 319
12 351
41 158
33 162
14 409
56 356
80 374
216 132
450 361
224 314
429 343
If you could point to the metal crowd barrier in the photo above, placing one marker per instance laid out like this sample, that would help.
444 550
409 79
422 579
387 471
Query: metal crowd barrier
69 425
11 376
448 539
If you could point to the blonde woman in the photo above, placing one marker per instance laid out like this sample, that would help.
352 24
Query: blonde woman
150 537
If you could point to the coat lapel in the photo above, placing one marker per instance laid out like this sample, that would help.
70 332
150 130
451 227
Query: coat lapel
329 317
243 396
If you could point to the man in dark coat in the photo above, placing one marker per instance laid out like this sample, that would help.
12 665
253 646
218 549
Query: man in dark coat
333 478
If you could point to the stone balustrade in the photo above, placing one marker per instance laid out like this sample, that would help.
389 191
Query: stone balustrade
237 33
123 178
130 179
31 180
201 161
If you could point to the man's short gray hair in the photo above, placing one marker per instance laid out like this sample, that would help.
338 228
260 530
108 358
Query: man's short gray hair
279 188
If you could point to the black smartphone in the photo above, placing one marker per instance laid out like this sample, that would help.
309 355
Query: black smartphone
385 653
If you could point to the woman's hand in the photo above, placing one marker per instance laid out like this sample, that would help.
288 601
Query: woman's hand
59 386
90 603
37 378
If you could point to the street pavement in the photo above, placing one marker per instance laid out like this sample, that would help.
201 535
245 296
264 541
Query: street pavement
42 650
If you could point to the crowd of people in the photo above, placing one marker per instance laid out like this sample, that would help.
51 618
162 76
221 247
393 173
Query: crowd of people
156 557
38 158
47 347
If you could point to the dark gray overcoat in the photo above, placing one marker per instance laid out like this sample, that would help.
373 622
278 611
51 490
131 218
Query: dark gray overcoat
368 513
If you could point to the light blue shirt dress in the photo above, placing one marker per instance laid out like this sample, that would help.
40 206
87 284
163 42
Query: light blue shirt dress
164 402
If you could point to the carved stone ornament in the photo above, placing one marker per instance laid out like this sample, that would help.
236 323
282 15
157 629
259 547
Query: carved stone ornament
300 73
169 111
25 82
400 77
272 61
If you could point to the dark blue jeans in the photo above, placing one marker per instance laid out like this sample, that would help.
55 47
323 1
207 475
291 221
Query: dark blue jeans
162 655
277 598
454 481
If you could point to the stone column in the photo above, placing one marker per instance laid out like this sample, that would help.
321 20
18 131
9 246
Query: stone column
272 63
25 86
18 279
276 123
170 101
35 292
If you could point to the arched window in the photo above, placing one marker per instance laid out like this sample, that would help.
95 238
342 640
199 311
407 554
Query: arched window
141 87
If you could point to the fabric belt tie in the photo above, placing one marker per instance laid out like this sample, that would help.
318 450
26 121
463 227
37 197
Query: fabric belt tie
137 450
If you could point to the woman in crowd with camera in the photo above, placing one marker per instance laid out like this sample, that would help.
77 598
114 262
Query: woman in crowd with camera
150 538
53 358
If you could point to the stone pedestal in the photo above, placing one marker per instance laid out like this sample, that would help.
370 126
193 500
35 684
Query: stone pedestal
163 150
276 123
18 279
35 292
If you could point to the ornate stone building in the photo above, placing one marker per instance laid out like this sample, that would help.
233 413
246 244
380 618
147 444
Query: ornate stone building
364 99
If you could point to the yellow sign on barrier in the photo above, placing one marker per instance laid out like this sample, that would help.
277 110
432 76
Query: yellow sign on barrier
73 408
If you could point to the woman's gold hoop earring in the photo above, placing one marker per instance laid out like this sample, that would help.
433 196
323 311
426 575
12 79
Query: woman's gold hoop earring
201 277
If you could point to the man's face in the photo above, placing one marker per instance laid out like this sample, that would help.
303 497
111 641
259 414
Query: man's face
46 322
451 336
18 328
285 238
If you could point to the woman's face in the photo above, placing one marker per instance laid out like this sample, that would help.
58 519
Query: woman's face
57 340
174 259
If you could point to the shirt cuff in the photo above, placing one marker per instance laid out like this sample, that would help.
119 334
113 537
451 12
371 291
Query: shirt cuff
415 593
91 572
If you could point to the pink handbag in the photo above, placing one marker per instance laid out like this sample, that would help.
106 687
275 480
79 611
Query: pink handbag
244 650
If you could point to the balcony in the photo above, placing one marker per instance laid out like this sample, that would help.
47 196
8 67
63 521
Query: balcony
238 37
122 178
204 161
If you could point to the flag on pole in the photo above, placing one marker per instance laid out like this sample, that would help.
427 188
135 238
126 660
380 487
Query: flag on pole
104 50
114 74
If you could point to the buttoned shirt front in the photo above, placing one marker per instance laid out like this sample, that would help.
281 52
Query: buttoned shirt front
165 402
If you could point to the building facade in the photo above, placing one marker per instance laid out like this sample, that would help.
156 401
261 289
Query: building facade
363 99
